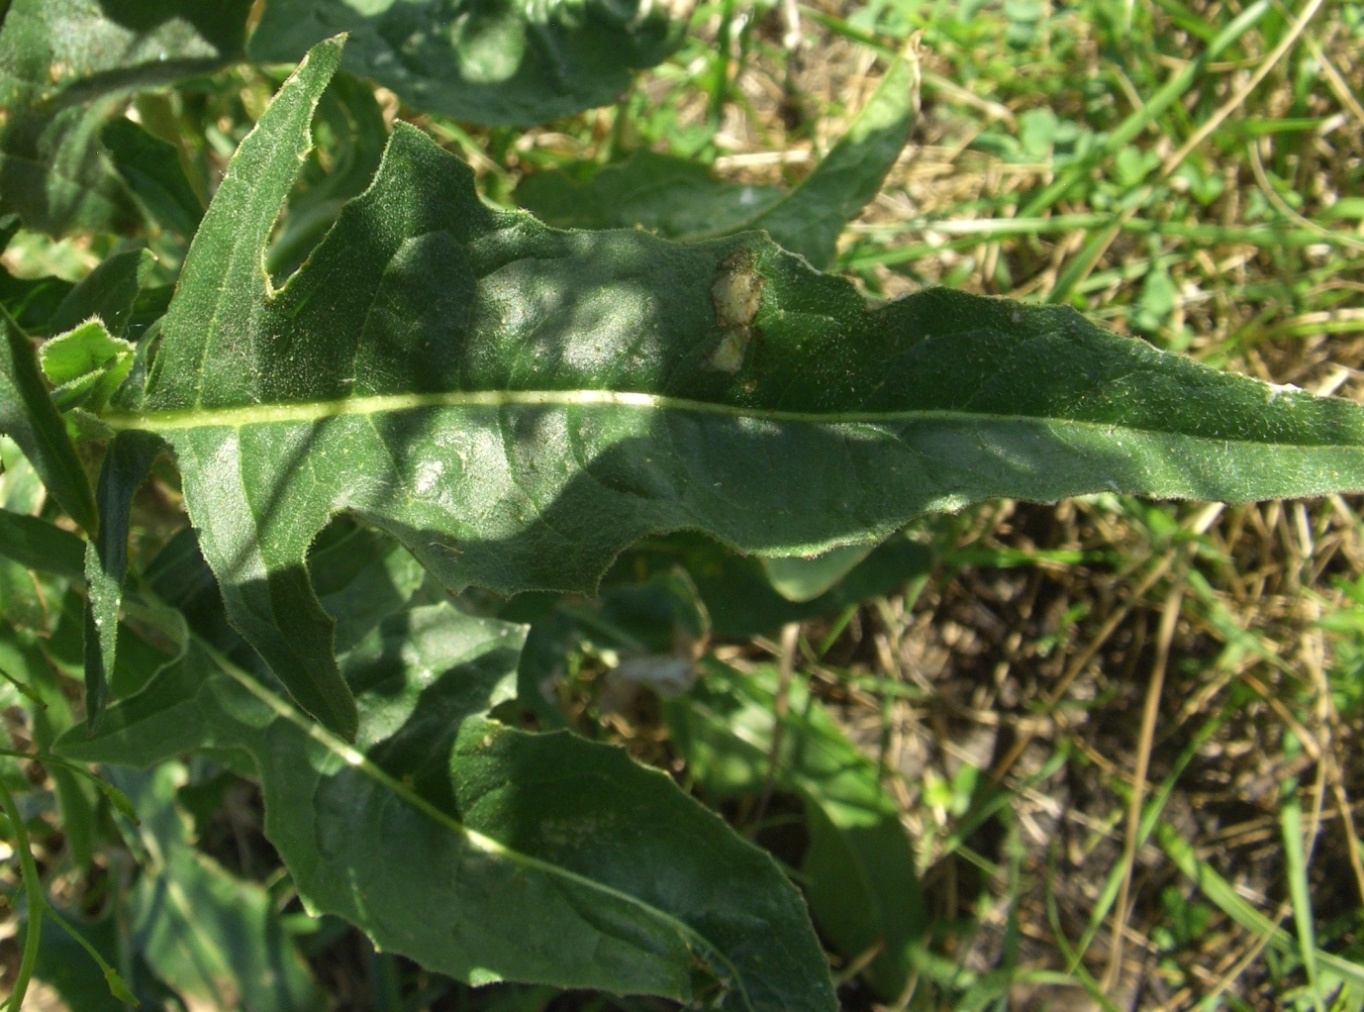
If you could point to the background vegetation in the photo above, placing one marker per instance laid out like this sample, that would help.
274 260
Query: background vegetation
1123 736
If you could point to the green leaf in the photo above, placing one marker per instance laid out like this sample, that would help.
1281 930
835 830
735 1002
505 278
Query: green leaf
21 489
54 173
151 170
208 934
361 577
804 578
25 664
541 858
674 197
29 301
738 591
811 218
859 865
350 134
85 365
38 544
517 404
110 292
679 199
65 68
125 468
180 577
269 598
29 417
885 570
65 966
492 62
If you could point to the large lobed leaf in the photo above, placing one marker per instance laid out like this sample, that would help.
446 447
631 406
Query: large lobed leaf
516 404
482 851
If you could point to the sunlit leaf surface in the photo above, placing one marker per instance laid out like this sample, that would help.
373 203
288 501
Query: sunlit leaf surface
517 404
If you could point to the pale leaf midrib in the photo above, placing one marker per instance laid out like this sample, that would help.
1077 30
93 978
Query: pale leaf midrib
357 759
315 411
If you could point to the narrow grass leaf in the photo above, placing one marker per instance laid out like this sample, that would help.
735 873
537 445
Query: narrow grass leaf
1222 894
1299 891
1173 90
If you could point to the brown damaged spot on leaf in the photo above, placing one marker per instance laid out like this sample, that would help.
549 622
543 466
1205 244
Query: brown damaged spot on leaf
736 295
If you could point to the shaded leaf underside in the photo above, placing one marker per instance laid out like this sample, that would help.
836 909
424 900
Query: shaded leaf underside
517 404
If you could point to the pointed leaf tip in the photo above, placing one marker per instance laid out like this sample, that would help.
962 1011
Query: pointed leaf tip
30 417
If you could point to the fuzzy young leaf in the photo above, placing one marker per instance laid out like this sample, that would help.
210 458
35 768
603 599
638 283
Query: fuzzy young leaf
517 404
85 365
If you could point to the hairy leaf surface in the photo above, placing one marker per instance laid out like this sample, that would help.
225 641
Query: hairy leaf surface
481 851
517 404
